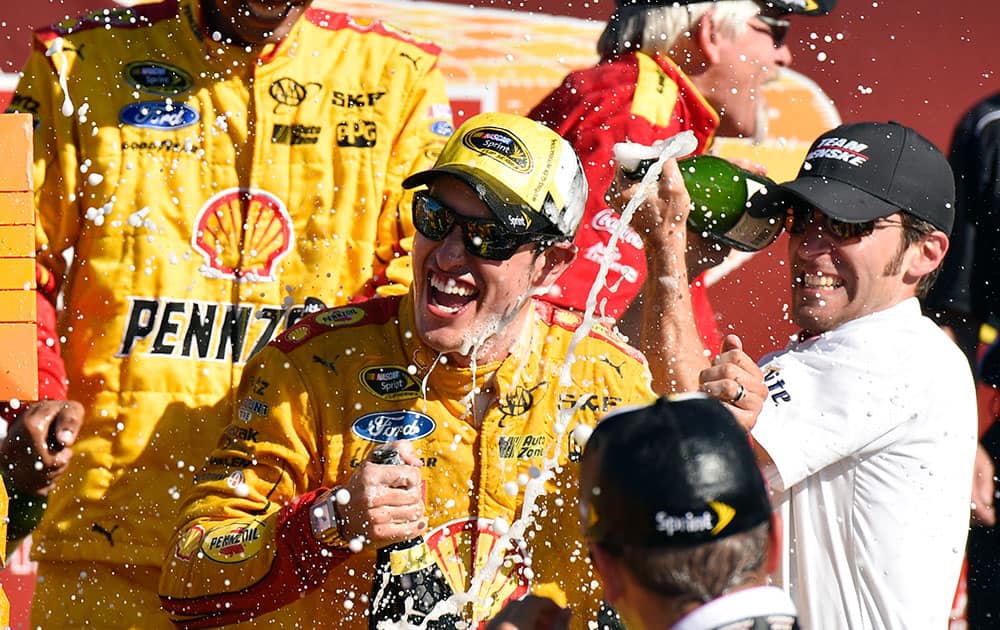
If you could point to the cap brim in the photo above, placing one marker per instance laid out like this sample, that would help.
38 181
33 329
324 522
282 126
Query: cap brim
799 7
832 197
500 199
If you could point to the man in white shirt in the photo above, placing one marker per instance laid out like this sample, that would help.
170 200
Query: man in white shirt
867 428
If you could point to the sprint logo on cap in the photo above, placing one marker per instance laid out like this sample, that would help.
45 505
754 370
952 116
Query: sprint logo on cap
714 520
500 145
841 149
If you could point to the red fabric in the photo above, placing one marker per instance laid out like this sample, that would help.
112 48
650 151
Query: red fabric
593 109
704 316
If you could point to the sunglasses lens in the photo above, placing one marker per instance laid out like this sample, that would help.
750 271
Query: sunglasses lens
844 231
431 218
487 239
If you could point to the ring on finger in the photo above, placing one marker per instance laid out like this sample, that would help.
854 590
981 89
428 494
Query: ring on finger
740 392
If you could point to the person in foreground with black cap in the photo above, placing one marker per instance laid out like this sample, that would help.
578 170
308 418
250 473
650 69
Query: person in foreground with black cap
867 431
477 387
666 66
678 523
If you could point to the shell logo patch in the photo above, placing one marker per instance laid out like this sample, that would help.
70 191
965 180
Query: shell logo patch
242 234
187 546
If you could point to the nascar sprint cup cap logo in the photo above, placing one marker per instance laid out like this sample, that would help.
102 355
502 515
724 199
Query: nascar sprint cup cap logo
527 174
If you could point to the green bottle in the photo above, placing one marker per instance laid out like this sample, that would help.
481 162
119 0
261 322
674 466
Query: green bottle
720 192
720 195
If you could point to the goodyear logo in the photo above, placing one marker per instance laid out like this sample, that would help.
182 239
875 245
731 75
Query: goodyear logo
501 145
390 382
235 542
341 316
522 446
158 78
387 426
243 234
361 134
158 115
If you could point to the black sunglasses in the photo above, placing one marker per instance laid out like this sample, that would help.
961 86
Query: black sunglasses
798 221
485 238
778 27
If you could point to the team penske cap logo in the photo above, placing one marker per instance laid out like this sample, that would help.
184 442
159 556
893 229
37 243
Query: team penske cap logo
242 234
843 149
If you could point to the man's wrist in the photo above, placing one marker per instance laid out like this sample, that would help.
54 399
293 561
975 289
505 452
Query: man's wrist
325 520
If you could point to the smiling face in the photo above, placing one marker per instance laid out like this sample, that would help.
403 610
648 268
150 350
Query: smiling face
468 306
254 22
835 280
738 68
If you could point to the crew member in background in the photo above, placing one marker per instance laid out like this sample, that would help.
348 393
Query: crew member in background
217 168
666 66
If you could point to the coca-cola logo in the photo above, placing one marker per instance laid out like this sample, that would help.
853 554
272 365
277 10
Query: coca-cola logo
388 426
607 221
158 115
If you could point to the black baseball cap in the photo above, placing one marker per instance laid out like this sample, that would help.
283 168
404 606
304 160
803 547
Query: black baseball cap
864 171
677 473
802 7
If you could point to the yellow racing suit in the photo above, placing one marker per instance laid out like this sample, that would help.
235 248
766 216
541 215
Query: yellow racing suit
327 392
206 192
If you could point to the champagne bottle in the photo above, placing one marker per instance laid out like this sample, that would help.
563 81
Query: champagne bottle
408 582
720 192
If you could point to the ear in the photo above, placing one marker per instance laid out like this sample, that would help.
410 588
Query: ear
707 37
928 254
551 264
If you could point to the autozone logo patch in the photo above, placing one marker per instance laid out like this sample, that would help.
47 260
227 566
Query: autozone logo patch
361 134
521 446
386 426
295 134
390 382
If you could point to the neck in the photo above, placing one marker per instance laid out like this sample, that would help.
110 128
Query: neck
495 342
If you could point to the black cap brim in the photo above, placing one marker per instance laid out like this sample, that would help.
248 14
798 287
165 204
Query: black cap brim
832 197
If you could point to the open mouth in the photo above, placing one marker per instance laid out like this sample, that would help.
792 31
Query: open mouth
819 281
448 294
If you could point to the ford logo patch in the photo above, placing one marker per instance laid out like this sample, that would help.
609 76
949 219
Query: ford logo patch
387 426
158 115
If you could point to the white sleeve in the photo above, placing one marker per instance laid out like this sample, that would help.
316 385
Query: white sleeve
828 399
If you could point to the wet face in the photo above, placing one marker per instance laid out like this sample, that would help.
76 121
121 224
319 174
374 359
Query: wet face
836 280
743 65
254 22
469 306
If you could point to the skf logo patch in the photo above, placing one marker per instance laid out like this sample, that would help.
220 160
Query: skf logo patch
386 426
361 134
341 316
352 100
500 145
235 542
250 407
390 382
521 446
242 234
158 78
295 134
841 149
188 545
158 115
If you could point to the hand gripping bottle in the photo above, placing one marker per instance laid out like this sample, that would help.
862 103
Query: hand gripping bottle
408 582
720 194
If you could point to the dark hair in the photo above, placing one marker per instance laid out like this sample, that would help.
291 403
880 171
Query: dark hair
701 573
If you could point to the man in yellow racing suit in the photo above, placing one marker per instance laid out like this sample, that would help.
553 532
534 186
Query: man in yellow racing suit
216 171
482 390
